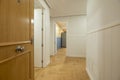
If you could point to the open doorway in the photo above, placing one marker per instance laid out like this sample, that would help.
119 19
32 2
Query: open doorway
60 35
60 43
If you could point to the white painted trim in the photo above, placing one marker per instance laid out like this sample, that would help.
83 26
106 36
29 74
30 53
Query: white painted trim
89 74
77 56
55 39
108 26
45 6
46 64
45 10
68 16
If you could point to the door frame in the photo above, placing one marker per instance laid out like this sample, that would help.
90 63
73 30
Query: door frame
38 37
44 39
54 34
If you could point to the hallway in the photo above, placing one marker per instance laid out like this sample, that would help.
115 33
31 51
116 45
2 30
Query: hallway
63 68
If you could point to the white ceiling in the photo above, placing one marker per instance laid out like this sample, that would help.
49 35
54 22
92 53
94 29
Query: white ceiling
60 8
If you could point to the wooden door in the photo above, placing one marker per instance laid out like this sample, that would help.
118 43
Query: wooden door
16 33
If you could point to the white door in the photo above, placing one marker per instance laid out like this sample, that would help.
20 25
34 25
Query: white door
38 38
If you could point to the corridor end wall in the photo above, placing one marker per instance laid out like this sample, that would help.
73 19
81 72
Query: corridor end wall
76 35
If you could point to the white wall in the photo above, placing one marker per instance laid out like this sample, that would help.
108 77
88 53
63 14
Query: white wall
37 37
103 40
76 34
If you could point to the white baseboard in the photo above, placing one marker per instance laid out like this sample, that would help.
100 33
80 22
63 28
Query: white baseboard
89 74
46 64
76 56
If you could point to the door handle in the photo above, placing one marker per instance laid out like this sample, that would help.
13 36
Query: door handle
20 49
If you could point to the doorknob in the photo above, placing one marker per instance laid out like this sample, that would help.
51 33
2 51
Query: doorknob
20 49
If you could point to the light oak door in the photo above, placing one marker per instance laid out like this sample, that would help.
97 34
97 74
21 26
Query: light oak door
16 33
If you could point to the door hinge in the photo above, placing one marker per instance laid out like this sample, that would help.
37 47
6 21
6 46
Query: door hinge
42 45
42 13
42 61
42 29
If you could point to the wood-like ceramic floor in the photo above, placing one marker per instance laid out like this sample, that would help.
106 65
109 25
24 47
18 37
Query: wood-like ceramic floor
63 68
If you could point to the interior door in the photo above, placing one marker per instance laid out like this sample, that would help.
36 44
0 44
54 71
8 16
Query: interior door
16 33
63 35
38 38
